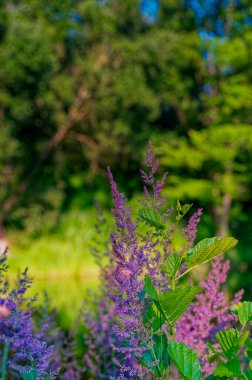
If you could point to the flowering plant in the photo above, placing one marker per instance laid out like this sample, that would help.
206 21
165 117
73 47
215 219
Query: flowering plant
160 320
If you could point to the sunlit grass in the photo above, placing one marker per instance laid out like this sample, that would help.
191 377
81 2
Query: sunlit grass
60 263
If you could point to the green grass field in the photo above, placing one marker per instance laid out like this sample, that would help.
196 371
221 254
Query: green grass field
60 263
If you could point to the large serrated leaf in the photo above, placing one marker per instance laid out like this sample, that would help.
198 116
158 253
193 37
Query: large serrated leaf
150 288
244 311
152 218
152 320
229 342
208 249
231 369
186 361
175 302
172 264
152 293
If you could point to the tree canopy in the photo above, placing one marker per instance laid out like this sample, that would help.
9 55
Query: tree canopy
86 84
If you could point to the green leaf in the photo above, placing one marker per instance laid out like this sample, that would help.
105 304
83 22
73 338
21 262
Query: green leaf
244 311
159 353
230 369
152 293
175 302
208 249
243 338
152 218
248 344
178 207
249 354
248 374
153 321
213 354
182 210
229 342
186 208
186 361
172 265
150 288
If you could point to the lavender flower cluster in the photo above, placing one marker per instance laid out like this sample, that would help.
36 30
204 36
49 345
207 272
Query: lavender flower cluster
22 348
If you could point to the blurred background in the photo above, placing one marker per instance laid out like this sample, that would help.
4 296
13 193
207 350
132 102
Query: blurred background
85 84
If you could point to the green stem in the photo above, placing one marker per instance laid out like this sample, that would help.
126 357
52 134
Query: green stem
242 332
188 270
153 352
167 375
173 283
4 361
161 338
173 236
173 330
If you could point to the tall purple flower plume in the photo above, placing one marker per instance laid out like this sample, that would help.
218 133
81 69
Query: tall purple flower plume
209 313
190 231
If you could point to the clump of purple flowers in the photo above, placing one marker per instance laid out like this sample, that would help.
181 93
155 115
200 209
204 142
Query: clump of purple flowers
64 355
22 349
99 339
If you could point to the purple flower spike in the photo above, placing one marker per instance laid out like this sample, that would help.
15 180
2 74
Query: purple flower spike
208 314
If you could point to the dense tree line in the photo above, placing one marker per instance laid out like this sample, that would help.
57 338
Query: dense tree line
85 84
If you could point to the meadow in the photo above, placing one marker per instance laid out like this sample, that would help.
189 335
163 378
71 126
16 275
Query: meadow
60 263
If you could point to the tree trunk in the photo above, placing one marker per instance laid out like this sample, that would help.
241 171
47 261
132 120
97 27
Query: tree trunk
3 241
221 215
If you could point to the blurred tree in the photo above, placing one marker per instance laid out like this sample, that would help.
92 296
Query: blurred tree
218 155
215 170
85 84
